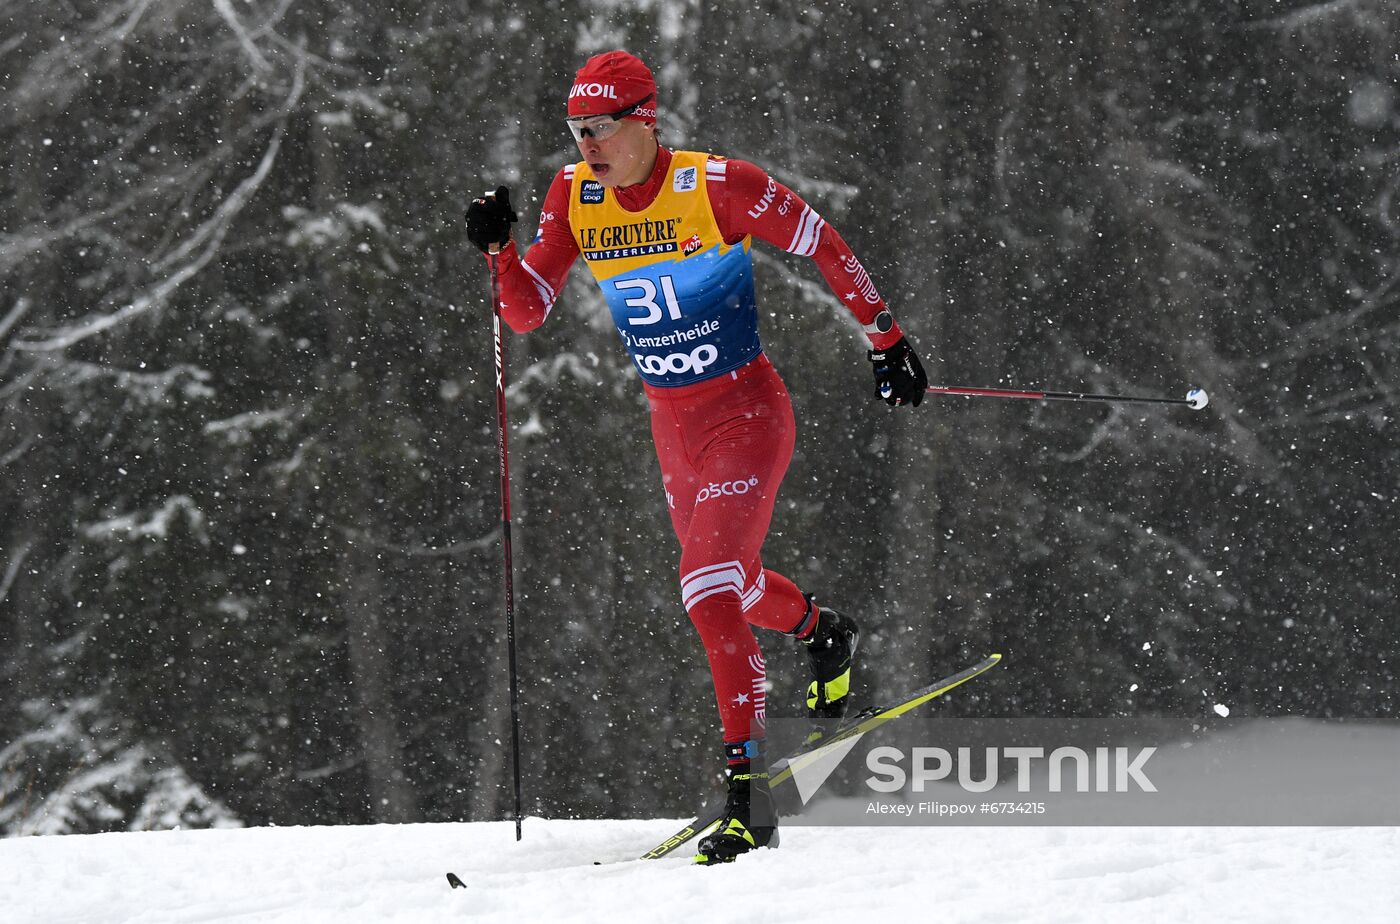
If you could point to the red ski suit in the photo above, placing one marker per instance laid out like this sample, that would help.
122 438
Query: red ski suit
721 418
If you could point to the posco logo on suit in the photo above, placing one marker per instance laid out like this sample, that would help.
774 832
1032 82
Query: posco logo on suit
727 489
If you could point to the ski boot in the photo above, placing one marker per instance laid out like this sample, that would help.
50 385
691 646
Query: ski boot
750 820
831 647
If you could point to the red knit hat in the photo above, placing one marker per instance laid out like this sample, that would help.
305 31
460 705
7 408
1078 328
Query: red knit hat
612 81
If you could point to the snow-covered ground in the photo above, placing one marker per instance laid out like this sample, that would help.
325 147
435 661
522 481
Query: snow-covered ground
397 873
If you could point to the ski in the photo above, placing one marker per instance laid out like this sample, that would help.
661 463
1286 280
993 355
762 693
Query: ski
864 721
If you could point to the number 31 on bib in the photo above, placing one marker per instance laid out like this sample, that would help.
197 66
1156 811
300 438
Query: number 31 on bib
647 300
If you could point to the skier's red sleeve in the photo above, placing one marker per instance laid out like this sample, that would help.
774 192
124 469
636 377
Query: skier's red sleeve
746 200
530 285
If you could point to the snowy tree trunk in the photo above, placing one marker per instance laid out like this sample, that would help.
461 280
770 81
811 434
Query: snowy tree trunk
27 440
373 668
916 625
372 671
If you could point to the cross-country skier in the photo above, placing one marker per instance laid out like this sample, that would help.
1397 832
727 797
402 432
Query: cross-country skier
667 237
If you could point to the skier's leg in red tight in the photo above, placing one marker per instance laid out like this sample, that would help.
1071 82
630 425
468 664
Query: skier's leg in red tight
723 451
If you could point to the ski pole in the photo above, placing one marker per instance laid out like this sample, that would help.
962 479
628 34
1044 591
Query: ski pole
1195 399
505 529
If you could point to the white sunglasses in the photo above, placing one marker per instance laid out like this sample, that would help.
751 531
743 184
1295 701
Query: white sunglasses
601 127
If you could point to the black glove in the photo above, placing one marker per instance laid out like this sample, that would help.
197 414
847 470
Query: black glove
899 376
489 218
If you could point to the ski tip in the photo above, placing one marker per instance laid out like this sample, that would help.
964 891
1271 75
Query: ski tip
994 656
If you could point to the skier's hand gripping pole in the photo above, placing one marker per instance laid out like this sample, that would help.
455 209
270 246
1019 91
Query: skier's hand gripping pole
489 218
899 376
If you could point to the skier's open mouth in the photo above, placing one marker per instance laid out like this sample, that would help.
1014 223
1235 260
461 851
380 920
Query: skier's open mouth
599 170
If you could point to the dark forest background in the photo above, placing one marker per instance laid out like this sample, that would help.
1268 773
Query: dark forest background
249 537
